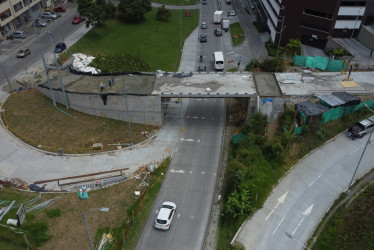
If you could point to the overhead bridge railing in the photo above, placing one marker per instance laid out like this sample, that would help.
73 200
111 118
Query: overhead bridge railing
207 95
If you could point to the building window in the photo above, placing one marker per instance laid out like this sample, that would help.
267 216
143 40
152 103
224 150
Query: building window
5 14
349 3
18 6
26 2
317 13
314 27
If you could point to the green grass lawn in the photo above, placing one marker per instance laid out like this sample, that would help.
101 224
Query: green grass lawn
156 42
177 2
237 34
352 226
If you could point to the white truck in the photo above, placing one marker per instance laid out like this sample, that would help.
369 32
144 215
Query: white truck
225 25
217 16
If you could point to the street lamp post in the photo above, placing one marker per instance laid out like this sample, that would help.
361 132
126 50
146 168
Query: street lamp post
102 209
359 161
280 36
2 66
354 27
127 107
292 238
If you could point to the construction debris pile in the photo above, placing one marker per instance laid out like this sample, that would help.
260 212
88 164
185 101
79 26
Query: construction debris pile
81 62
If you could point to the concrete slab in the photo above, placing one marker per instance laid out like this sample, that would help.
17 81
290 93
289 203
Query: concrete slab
266 85
203 83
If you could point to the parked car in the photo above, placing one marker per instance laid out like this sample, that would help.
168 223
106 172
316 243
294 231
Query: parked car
17 34
231 13
48 15
39 23
56 13
204 2
218 32
59 9
23 53
165 215
78 19
61 46
203 38
359 129
204 25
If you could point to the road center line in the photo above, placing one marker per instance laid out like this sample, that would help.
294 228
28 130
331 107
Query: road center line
314 181
278 226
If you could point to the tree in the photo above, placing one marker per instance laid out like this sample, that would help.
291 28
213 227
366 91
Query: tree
92 11
294 45
134 10
238 204
163 14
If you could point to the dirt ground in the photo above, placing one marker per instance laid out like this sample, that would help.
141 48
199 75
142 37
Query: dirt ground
134 84
68 230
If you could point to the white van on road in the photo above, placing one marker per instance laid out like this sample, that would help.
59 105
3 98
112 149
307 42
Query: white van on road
219 61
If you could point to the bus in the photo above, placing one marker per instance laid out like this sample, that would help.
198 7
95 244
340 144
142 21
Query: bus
219 62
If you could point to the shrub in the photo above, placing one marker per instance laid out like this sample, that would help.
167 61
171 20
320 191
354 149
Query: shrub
256 124
163 14
273 65
37 232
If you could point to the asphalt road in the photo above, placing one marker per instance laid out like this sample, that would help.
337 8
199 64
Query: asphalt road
60 28
302 198
190 181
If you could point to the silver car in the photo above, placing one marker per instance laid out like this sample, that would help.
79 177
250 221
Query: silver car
48 15
23 53
18 34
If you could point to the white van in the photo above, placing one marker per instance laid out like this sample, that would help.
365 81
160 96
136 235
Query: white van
219 62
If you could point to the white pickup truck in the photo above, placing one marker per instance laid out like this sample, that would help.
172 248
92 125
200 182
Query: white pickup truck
361 128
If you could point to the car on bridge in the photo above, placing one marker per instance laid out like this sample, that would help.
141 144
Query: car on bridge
165 215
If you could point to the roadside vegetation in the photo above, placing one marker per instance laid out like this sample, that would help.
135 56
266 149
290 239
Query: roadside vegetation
237 34
352 225
32 118
157 42
177 2
264 154
61 226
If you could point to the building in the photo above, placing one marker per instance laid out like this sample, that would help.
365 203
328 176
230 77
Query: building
15 14
314 21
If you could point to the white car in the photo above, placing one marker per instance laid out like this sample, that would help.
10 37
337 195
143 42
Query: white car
165 215
48 15
232 13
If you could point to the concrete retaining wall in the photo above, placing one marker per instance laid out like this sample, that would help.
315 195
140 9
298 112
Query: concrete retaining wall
366 37
141 109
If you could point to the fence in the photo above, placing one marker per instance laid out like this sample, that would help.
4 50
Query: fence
322 63
336 113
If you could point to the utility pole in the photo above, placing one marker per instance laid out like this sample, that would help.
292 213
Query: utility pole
2 66
58 70
281 31
41 53
127 107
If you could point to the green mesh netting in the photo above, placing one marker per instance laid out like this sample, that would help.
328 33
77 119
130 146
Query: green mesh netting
299 61
237 138
297 131
335 65
309 62
320 62
338 112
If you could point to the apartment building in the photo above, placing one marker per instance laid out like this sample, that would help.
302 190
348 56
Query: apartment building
313 21
15 14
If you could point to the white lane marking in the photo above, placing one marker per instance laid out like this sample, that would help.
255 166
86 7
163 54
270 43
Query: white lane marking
278 226
305 213
190 172
190 140
203 172
280 200
314 181
354 151
177 171
298 225
308 210
178 215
